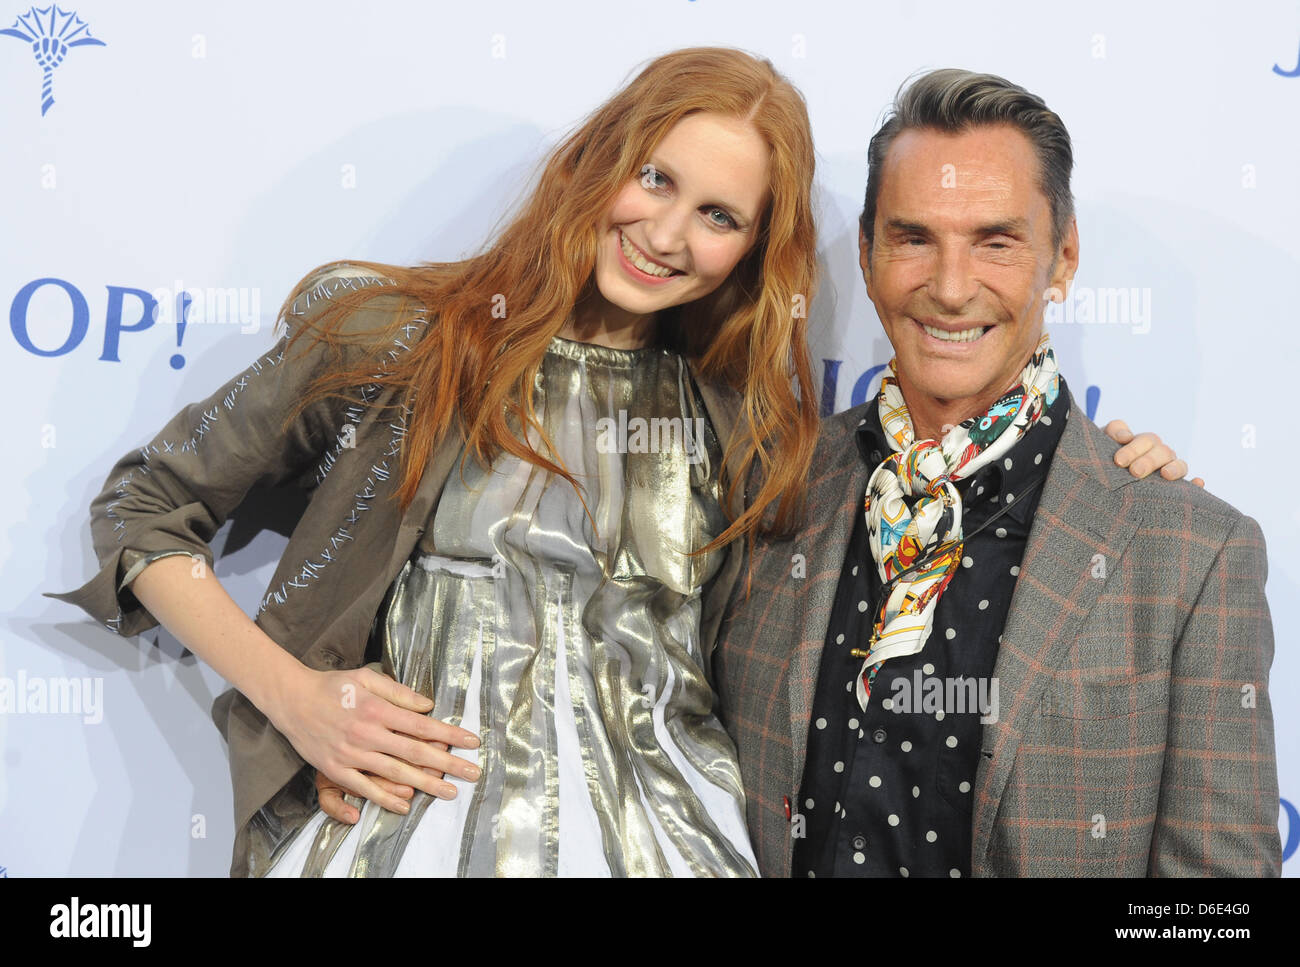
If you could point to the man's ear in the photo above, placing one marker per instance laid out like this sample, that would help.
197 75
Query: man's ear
1066 262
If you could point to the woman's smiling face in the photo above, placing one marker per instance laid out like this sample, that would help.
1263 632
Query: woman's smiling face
675 231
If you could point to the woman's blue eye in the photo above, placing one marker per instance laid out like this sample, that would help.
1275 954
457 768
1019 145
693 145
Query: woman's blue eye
727 220
650 176
652 179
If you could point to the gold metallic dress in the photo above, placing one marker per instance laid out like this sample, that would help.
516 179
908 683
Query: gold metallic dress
572 650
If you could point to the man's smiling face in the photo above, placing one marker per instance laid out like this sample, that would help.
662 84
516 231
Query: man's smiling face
962 262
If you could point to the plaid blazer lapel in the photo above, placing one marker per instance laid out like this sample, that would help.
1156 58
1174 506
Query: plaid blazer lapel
1081 523
835 495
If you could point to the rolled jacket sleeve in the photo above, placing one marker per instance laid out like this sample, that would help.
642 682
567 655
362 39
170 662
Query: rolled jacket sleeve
173 494
132 562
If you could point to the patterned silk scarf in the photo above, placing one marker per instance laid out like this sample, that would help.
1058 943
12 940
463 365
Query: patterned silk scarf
914 510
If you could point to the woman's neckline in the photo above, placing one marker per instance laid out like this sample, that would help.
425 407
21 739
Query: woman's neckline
594 352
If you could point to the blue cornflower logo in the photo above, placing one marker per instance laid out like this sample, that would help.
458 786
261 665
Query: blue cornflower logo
52 32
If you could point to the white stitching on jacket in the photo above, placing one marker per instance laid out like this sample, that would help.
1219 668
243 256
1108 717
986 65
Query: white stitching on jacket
379 472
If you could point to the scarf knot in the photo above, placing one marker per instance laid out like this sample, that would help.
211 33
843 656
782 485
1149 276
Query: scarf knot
914 510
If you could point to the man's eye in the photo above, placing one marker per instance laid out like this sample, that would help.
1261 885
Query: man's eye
914 240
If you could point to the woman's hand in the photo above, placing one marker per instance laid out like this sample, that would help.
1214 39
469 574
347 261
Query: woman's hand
1145 453
331 794
358 727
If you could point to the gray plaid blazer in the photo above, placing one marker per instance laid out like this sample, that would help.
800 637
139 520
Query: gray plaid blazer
1135 735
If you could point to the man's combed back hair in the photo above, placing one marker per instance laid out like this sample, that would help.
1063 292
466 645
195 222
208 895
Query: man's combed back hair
953 100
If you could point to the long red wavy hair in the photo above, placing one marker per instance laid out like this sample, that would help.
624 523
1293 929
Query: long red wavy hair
474 370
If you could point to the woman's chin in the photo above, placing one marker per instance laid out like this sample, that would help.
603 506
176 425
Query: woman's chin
628 298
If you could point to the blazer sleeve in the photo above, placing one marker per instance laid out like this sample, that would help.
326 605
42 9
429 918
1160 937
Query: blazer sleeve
175 492
1218 810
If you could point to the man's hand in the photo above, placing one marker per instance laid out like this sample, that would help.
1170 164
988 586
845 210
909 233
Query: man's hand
1145 453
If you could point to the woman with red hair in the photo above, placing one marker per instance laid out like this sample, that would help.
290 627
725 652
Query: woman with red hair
607 372
556 609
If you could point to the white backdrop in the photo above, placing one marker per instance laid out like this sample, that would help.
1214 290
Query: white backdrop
237 145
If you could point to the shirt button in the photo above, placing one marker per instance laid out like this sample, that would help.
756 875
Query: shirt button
879 736
859 842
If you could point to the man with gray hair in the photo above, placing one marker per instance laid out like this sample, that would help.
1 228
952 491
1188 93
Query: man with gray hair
1008 657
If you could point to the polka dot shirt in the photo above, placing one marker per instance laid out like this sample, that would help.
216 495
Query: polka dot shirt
889 791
